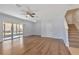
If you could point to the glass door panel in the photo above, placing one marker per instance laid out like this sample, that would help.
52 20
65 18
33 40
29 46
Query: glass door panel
18 29
21 29
7 30
14 30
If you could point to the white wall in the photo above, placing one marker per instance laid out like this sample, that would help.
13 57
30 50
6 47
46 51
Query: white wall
28 28
37 28
69 18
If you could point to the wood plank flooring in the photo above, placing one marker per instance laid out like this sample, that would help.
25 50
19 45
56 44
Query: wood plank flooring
34 45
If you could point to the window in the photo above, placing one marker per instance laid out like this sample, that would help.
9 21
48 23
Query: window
12 31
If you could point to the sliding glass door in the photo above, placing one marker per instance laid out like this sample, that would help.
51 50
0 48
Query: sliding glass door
7 30
12 31
17 30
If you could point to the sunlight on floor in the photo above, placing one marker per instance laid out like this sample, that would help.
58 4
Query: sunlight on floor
9 46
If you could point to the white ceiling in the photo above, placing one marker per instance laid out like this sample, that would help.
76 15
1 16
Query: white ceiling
40 9
15 11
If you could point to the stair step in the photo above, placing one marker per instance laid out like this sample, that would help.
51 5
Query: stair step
74 38
73 33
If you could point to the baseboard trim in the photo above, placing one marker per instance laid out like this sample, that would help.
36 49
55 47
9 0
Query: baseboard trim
31 36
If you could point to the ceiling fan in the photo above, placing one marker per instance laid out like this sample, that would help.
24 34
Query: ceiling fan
27 12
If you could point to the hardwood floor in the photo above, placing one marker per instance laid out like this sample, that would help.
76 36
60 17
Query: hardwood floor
74 39
34 45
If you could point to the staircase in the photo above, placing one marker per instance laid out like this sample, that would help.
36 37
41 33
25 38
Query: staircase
73 36
73 40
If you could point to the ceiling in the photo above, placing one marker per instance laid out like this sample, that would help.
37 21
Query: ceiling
42 10
13 10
